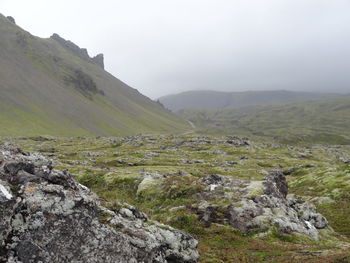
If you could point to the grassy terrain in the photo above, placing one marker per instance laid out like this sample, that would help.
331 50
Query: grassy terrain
323 121
47 89
114 167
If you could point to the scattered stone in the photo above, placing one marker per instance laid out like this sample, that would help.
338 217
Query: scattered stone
48 150
228 163
344 160
236 141
207 213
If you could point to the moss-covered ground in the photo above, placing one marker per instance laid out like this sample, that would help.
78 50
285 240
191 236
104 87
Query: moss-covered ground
115 167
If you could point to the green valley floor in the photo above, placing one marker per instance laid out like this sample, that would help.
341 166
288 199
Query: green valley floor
164 176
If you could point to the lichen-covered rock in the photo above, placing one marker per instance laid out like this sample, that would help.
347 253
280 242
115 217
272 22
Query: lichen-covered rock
150 183
276 184
259 206
46 216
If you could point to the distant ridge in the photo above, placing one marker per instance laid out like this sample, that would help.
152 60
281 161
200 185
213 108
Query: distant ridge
318 121
214 100
53 87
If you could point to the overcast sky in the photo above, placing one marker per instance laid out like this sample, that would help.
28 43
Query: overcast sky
166 46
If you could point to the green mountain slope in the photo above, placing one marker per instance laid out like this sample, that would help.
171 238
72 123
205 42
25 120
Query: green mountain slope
52 87
212 100
324 121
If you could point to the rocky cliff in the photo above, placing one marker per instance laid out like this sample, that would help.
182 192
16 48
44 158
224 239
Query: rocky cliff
46 216
81 52
59 90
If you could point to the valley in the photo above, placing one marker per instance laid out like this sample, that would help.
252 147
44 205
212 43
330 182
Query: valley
316 121
180 180
92 170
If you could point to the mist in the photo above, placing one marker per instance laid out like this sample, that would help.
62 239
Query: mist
163 47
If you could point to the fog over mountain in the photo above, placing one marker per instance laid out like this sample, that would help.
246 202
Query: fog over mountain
164 47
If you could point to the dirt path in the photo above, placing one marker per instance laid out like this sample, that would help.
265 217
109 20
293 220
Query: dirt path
192 124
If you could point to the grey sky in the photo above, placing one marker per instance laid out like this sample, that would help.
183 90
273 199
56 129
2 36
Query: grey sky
166 46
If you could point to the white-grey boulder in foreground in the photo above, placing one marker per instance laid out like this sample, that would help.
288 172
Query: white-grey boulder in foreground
46 216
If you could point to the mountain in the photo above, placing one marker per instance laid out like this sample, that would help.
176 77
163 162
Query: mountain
323 121
208 99
53 87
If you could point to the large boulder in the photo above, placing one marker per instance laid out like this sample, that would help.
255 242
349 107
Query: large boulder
258 206
46 216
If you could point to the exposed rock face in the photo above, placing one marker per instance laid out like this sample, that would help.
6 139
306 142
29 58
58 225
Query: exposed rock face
259 206
12 20
46 216
81 52
99 59
83 83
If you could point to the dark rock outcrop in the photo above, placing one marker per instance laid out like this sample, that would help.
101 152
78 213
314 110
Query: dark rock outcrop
83 83
81 52
46 216
237 141
276 185
99 60
11 19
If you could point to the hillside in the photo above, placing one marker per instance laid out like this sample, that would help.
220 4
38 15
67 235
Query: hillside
213 100
53 87
324 121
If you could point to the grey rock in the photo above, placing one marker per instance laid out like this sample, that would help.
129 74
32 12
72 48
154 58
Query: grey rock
99 60
81 52
237 141
344 160
228 163
11 19
274 209
242 218
207 214
215 179
276 184
258 206
52 218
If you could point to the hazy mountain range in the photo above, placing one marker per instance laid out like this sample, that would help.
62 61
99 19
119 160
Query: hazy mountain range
209 99
51 86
